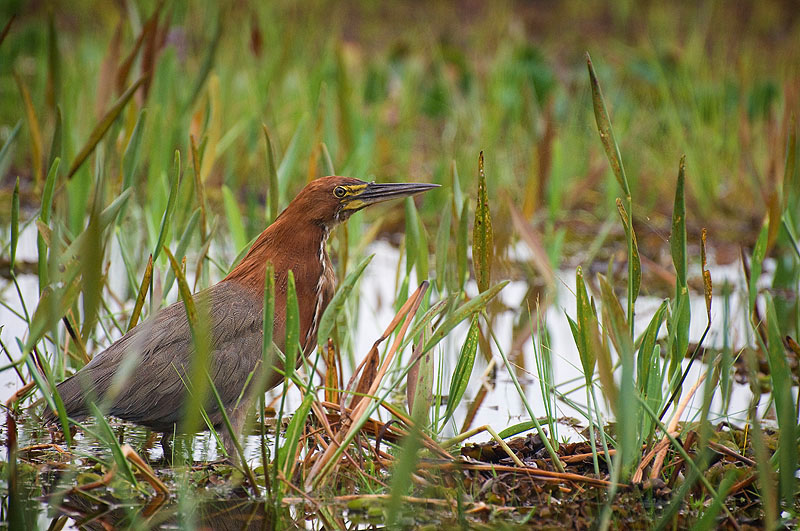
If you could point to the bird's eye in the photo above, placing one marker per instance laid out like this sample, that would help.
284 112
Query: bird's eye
339 192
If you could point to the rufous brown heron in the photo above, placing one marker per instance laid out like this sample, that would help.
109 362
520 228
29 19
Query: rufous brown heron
155 390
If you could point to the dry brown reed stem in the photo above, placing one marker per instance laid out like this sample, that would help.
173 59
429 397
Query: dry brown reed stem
131 455
426 439
577 458
20 392
408 311
535 472
660 449
102 482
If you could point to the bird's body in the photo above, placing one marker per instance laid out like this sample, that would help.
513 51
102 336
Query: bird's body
162 347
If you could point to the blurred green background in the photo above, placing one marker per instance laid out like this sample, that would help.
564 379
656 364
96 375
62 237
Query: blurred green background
400 90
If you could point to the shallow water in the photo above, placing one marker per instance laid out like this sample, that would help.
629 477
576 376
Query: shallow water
502 406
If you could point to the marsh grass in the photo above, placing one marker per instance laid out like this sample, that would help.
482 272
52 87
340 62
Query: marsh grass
120 220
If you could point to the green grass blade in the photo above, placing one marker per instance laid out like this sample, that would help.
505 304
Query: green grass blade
472 307
183 245
677 240
443 247
756 264
167 216
14 226
461 245
780 375
585 328
102 127
292 326
9 142
606 132
55 144
130 159
286 454
44 216
463 370
273 191
636 264
137 307
234 217
482 234
108 437
336 305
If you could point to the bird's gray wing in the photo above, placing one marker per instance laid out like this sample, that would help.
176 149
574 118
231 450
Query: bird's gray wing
163 349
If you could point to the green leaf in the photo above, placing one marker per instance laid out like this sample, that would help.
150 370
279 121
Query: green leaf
292 326
273 191
482 235
461 245
44 216
183 245
7 146
412 237
102 127
14 225
336 305
585 327
677 240
130 159
442 248
53 305
464 311
606 132
780 375
636 268
648 345
55 144
268 323
294 431
107 434
137 307
756 263
517 428
167 216
463 370
234 216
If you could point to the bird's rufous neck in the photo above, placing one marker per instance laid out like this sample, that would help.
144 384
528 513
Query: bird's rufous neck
287 244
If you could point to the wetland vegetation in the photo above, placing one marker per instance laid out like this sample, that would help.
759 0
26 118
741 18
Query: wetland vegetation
144 144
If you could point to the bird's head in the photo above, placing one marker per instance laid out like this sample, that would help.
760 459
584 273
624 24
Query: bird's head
328 201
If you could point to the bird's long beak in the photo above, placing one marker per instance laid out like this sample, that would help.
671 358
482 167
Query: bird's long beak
374 193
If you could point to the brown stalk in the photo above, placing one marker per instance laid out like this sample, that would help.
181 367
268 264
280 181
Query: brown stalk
535 472
408 311
659 451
